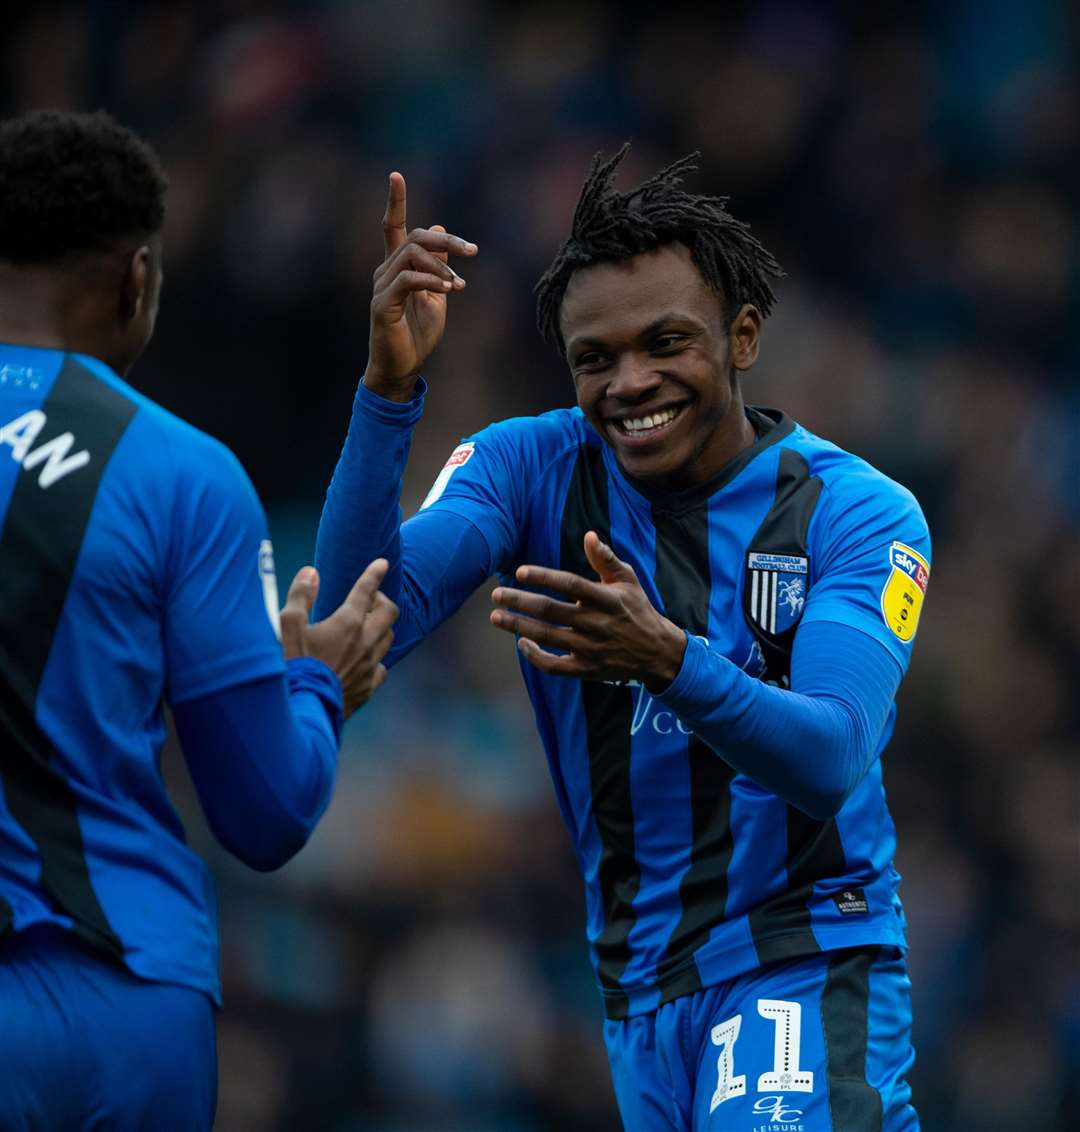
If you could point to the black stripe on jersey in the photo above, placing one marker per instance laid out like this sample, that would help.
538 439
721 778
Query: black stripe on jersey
783 531
684 581
39 547
781 926
609 713
854 1104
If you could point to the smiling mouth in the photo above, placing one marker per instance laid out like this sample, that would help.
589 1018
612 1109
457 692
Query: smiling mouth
648 425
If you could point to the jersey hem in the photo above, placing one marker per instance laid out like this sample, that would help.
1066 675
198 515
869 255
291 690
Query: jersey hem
154 971
625 1002
164 973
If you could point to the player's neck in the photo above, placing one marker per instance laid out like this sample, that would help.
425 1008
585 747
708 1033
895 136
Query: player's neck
41 307
733 435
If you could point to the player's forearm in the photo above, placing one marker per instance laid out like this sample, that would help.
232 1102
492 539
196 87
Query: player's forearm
263 758
362 514
810 747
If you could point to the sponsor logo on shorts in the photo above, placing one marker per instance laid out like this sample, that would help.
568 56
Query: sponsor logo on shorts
779 1115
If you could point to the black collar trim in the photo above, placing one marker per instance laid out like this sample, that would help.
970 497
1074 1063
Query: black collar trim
771 426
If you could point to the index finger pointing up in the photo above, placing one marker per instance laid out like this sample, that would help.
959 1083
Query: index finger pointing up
393 224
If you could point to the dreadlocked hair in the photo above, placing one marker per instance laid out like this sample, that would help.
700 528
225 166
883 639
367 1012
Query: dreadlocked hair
610 225
72 183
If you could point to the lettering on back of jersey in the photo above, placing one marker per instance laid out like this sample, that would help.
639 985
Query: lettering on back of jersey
904 590
21 433
458 458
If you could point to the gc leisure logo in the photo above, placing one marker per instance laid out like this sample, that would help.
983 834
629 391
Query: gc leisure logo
777 1115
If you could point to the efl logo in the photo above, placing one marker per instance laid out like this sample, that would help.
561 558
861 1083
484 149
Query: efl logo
461 455
268 577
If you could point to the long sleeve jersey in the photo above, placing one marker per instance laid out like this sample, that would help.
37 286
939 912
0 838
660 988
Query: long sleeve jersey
737 817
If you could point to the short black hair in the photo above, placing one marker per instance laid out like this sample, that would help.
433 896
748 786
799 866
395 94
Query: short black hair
74 183
609 225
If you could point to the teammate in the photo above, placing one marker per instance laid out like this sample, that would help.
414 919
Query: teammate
714 609
134 565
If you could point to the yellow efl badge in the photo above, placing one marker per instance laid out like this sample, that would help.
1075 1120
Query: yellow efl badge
902 597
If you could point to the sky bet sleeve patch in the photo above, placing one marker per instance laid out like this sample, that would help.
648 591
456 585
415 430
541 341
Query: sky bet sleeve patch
902 597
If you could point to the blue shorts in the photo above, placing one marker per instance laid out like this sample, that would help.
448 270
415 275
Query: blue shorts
820 1044
85 1044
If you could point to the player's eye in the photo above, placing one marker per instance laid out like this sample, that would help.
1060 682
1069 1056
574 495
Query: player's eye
668 343
590 359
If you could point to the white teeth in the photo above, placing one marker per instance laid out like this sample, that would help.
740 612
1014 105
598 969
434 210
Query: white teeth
645 424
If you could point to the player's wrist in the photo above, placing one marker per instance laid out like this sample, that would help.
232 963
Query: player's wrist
669 658
400 389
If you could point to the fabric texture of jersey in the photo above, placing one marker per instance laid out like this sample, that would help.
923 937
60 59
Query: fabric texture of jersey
820 1044
126 538
85 1044
694 873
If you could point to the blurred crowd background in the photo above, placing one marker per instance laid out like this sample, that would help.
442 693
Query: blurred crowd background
915 168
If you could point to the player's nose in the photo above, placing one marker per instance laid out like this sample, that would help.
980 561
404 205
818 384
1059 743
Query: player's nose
633 378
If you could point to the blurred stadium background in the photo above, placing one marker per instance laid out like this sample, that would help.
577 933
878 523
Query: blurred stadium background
915 168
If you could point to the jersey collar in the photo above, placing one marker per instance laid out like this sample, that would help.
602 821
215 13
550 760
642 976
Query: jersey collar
770 425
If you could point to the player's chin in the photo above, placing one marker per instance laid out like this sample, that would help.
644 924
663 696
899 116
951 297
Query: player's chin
659 465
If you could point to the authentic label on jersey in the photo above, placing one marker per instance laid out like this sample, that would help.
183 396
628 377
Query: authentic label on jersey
778 584
460 456
269 584
902 597
851 902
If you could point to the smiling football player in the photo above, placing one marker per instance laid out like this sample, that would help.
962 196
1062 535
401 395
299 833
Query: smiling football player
714 609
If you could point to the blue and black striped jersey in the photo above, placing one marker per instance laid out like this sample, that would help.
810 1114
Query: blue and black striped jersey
131 547
693 872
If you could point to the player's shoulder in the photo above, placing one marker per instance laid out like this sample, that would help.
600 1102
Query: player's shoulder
553 428
539 438
165 446
848 480
859 502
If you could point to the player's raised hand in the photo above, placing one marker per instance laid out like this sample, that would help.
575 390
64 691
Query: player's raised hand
606 630
408 307
352 640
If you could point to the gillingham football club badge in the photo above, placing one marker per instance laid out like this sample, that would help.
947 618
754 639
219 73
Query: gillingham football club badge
902 597
777 585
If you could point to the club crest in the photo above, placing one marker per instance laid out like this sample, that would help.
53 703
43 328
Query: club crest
777 585
905 588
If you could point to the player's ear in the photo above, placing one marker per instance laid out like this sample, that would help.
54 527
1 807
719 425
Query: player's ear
136 284
745 336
